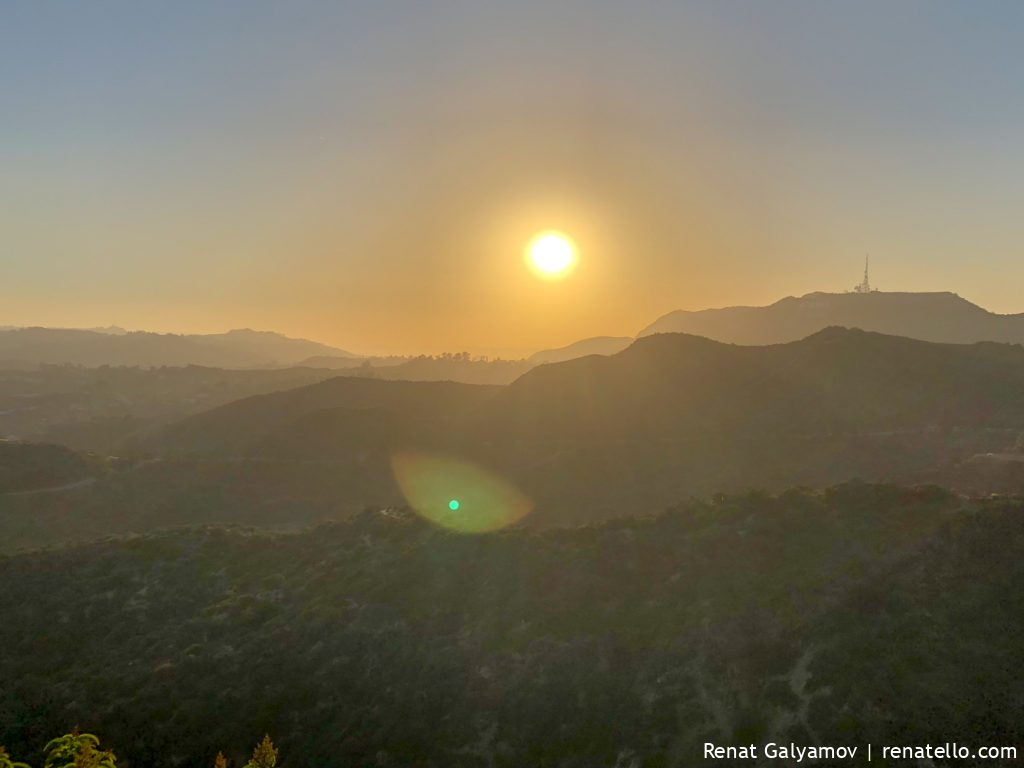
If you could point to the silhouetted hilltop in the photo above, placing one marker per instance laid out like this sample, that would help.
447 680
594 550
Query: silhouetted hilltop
939 317
29 347
598 345
832 381
251 426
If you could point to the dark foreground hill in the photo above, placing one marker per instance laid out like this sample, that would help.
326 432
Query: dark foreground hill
835 381
670 417
940 317
861 614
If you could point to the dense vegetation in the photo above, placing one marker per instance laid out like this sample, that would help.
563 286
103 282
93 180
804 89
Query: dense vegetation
82 750
862 613
148 495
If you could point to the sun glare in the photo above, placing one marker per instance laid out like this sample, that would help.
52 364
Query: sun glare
551 255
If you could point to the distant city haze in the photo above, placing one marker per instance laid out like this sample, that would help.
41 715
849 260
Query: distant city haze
367 175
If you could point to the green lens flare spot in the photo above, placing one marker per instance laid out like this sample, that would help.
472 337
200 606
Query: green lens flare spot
486 501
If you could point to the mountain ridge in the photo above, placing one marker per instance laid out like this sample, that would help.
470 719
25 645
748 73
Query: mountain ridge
939 316
595 345
237 348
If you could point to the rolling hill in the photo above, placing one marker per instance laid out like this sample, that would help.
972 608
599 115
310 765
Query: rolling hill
97 409
938 317
669 417
836 380
255 426
598 345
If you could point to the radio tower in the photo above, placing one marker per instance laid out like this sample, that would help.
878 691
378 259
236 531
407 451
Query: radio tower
864 287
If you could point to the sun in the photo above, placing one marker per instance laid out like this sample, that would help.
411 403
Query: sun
551 254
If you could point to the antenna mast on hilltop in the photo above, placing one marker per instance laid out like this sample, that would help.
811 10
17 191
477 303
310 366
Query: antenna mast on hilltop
865 286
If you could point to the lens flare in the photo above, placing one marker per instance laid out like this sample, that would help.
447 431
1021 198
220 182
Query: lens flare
458 494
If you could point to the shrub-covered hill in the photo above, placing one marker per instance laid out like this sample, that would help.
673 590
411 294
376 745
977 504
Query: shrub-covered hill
860 614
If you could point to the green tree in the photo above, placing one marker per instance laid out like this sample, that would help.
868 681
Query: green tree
78 750
6 762
264 756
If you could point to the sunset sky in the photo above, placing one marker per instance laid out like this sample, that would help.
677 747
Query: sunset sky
368 174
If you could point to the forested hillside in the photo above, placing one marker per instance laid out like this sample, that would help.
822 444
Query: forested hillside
862 613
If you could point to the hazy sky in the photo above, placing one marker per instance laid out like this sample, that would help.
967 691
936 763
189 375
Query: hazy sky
367 174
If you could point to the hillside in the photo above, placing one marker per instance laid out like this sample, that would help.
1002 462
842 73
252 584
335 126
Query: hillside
97 409
250 426
29 347
282 460
598 345
837 380
26 468
861 614
458 367
939 317
670 417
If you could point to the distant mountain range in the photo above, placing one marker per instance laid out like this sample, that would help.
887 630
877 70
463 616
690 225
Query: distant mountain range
597 345
29 347
940 317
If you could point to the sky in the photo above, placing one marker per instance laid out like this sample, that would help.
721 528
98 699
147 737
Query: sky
367 174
